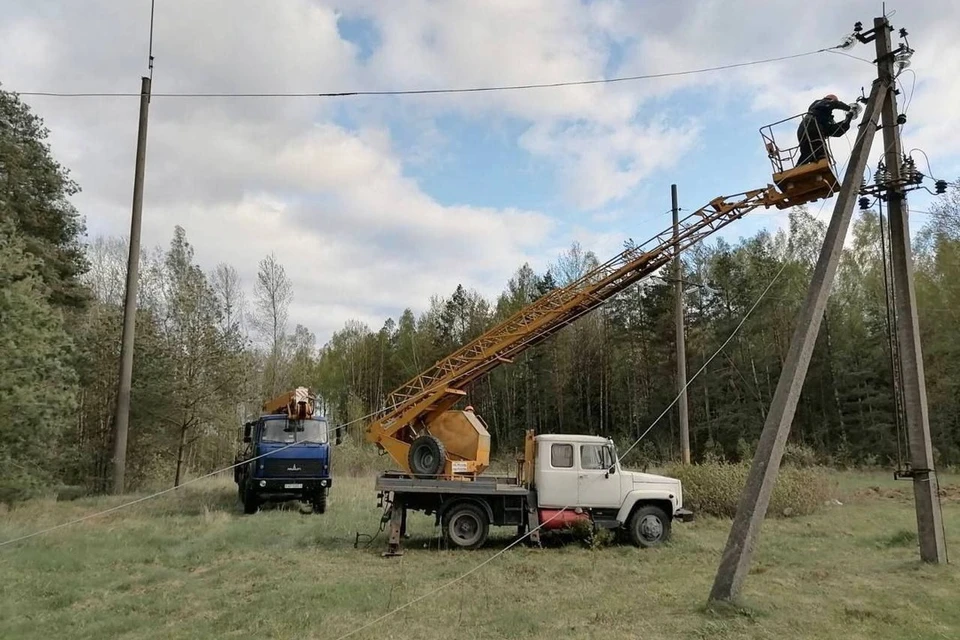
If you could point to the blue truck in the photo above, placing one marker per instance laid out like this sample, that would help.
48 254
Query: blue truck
285 454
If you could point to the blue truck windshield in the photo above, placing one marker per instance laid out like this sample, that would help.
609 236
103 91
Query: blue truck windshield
287 431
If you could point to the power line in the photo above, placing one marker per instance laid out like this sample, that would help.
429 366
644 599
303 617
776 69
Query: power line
723 346
620 458
913 87
408 92
850 55
168 490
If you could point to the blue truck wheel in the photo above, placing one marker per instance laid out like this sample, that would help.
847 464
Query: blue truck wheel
251 502
320 501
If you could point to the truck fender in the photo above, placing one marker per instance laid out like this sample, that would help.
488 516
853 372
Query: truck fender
446 506
646 495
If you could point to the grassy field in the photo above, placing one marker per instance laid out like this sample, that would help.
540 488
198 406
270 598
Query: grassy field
190 565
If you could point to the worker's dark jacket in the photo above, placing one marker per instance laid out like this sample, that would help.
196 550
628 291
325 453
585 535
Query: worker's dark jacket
817 124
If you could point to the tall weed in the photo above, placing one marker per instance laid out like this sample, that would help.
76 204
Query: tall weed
714 488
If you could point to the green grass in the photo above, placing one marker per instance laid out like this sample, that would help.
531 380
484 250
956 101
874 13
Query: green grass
190 565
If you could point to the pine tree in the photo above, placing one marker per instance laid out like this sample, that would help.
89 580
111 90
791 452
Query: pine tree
37 383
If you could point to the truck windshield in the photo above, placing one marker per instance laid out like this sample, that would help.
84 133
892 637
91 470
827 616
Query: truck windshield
287 431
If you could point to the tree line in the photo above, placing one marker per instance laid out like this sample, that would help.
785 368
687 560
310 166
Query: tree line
613 372
206 356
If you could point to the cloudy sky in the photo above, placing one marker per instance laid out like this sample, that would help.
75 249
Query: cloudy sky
375 203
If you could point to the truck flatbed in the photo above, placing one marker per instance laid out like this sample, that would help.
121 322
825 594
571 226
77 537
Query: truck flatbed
484 500
397 482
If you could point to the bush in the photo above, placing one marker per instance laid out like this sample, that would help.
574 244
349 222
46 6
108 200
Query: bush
800 455
714 488
591 536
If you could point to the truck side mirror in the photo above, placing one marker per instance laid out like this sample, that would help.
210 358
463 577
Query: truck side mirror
247 432
612 470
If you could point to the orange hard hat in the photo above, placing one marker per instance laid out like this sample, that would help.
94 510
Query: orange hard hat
830 96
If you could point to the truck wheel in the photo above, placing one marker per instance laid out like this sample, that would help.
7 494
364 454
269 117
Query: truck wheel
251 503
320 501
649 526
427 456
466 526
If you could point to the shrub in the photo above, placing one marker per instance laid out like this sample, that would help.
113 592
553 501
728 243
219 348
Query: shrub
800 455
590 536
714 488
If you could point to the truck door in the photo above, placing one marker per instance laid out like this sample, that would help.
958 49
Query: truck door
557 476
595 489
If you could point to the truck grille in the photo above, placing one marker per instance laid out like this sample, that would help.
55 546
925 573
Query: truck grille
278 467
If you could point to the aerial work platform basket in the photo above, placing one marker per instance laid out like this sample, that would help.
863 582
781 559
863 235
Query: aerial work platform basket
799 180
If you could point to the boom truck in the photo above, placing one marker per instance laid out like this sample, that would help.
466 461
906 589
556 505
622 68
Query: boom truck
443 452
286 454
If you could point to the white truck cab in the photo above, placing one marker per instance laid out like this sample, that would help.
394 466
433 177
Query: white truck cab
581 476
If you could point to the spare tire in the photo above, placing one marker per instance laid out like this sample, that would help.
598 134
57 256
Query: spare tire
427 456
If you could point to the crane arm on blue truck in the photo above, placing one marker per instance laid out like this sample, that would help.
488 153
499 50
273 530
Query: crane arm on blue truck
286 454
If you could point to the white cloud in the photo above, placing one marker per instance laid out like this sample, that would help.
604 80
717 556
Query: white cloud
360 237
592 131
251 176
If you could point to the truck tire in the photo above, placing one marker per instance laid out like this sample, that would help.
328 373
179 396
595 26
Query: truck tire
649 526
320 501
251 503
427 456
466 526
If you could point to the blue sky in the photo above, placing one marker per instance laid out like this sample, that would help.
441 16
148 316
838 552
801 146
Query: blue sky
376 204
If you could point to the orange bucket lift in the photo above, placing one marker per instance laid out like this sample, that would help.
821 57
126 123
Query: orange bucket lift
795 183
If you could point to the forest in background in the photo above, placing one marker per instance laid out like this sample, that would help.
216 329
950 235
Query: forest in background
207 353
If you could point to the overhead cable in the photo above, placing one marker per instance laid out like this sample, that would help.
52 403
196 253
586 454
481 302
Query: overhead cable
408 92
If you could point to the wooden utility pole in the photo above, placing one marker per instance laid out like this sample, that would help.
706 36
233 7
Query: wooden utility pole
925 489
745 532
121 416
681 347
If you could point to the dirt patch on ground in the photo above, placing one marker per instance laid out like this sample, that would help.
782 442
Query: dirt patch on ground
948 493
883 493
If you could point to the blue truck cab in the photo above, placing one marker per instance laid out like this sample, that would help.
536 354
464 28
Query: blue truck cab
285 456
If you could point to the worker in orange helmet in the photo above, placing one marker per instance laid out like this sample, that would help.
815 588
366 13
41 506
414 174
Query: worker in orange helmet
818 123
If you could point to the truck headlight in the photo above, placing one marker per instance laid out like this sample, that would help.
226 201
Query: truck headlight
263 483
323 483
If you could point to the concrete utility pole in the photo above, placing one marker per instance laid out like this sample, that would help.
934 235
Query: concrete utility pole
681 347
925 489
735 563
121 416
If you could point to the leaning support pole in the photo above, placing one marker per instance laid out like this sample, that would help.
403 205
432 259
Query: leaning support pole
121 415
925 489
755 499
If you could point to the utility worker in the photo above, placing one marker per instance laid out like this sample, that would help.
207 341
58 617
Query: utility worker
817 124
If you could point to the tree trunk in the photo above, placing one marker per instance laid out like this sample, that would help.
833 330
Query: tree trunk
180 448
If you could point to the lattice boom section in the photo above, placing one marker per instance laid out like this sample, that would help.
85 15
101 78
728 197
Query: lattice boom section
561 306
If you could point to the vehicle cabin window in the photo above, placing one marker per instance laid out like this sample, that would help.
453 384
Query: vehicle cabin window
595 456
561 455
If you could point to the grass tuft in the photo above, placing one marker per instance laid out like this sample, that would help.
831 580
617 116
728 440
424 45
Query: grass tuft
731 610
863 614
899 539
